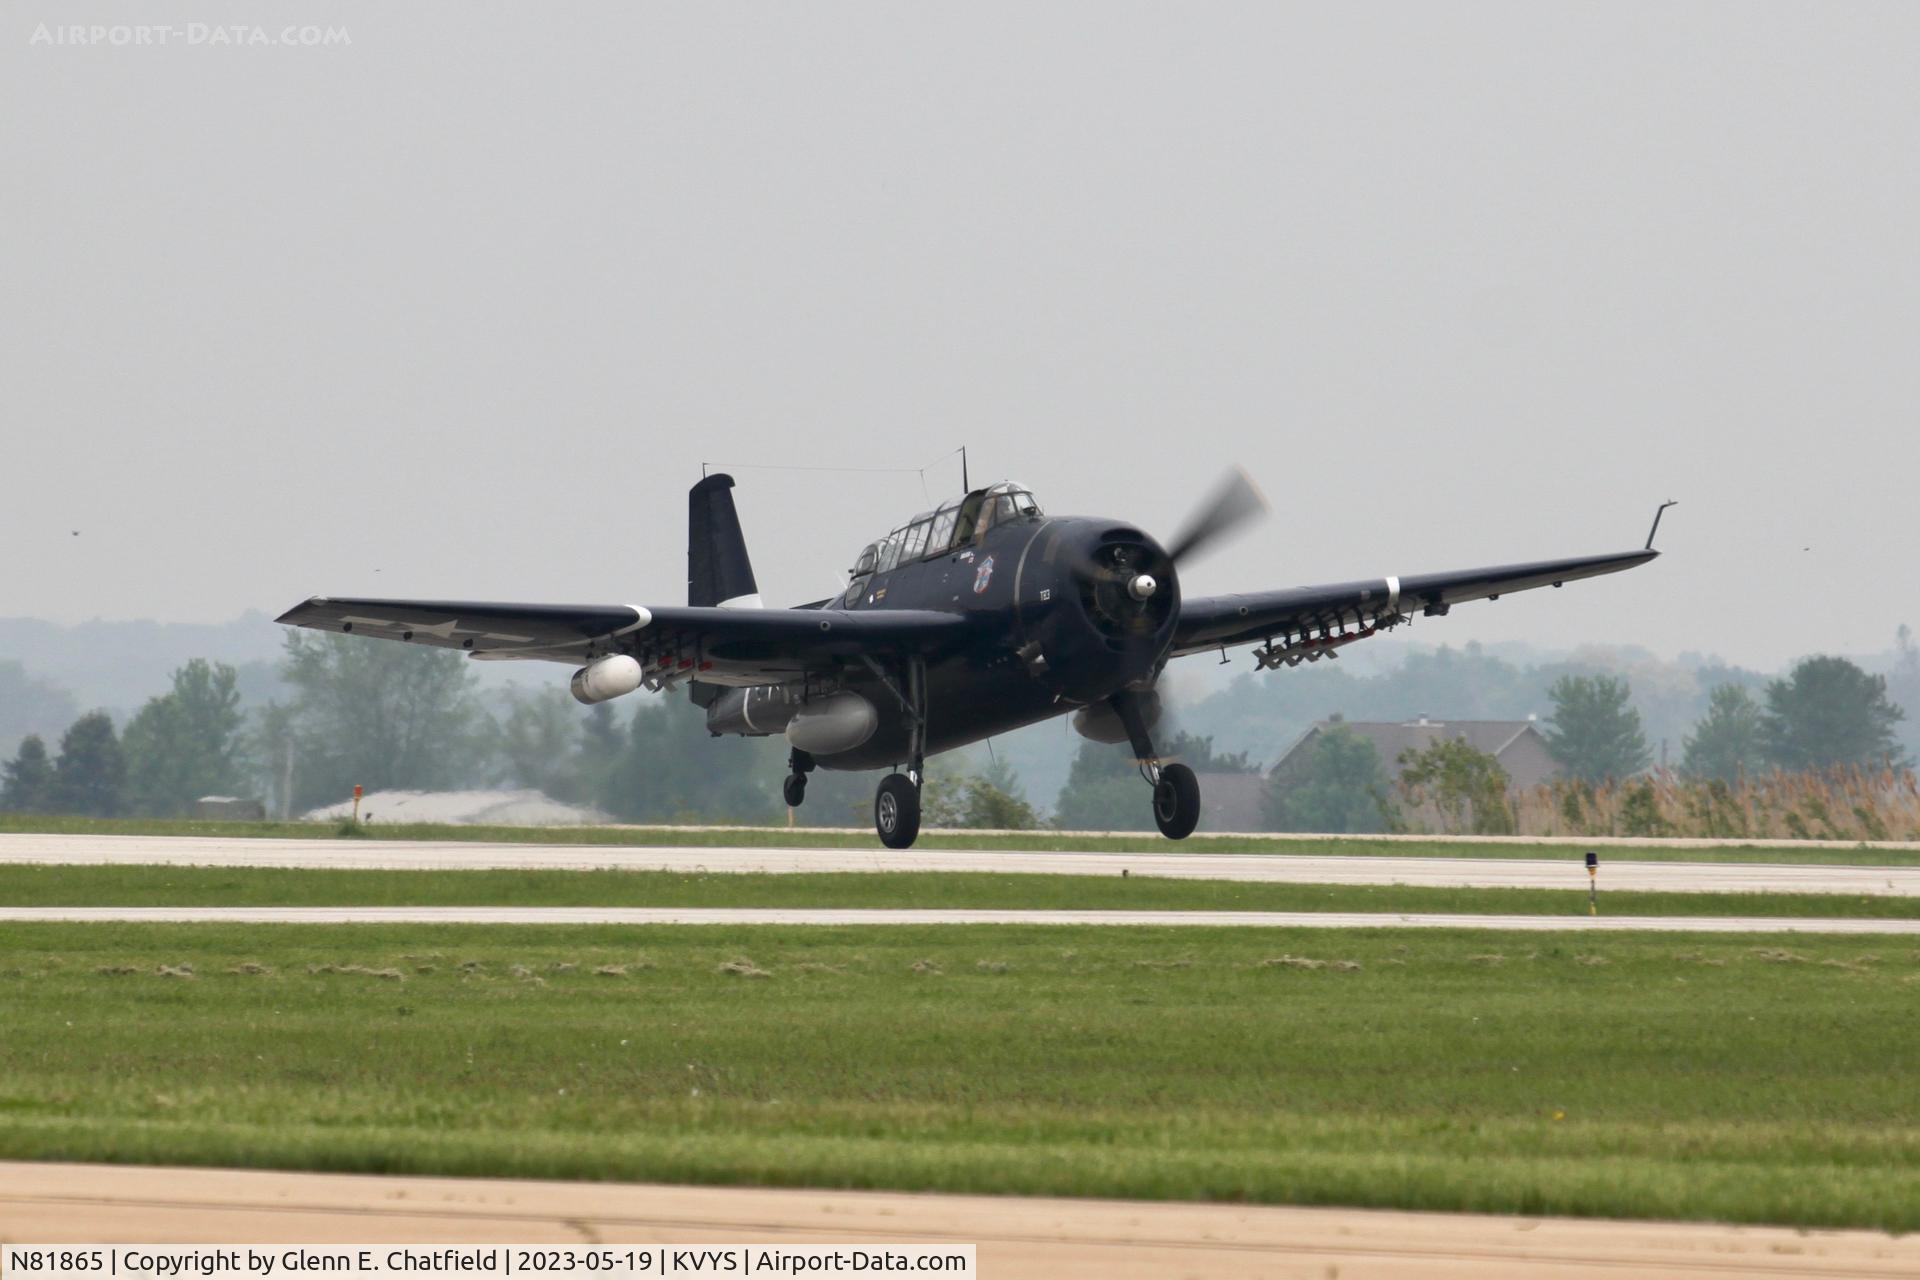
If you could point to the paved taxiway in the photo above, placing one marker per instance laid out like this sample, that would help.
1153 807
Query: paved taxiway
1017 1238
863 917
1478 873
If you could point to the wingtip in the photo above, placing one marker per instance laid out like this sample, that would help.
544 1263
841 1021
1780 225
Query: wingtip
290 617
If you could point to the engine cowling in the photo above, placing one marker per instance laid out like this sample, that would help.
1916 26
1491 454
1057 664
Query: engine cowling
1098 603
605 678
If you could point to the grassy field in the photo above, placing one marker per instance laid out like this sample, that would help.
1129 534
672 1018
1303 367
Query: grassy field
55 886
1632 1075
784 837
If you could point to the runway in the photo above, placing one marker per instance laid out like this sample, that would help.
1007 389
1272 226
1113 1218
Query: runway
1017 1238
1478 873
868 917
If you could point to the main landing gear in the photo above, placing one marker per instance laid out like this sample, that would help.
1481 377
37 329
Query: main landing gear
896 810
896 805
1176 792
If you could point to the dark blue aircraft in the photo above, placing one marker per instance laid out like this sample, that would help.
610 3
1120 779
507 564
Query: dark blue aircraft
965 622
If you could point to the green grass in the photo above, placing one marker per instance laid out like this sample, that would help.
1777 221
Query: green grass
160 886
783 837
1632 1075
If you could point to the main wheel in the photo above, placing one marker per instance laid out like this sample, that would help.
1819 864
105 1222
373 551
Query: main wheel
896 811
1176 802
794 790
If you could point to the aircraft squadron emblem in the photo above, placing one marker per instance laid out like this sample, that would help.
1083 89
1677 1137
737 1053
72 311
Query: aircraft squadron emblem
983 576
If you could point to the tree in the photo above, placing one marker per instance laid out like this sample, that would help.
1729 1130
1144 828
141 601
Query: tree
540 743
671 770
90 776
272 750
185 743
26 781
989 799
1103 792
1467 786
997 800
1903 686
1340 787
1593 733
31 705
1729 741
1828 713
381 715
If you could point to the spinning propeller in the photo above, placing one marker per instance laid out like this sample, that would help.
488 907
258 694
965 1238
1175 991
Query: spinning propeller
1234 501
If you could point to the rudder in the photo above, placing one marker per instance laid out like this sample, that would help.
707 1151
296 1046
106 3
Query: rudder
718 570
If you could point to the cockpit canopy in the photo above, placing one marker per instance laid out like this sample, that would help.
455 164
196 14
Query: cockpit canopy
952 526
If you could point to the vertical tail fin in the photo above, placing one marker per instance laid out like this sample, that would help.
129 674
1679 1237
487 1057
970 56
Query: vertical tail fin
718 571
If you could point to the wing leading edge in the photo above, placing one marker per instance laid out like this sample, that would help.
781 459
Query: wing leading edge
1210 622
714 645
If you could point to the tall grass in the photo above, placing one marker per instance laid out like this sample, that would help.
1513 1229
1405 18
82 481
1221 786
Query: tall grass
1841 804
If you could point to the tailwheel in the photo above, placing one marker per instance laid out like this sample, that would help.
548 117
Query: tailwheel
896 811
1176 801
794 789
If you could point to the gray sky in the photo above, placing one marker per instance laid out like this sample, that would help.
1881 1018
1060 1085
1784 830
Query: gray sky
458 309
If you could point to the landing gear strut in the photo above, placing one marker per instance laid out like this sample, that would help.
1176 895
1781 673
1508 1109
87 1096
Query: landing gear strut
1176 792
896 805
794 789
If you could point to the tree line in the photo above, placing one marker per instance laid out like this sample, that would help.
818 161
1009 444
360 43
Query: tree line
390 717
395 717
1827 716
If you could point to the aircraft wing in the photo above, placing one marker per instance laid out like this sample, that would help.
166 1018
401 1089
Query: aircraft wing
1297 615
713 645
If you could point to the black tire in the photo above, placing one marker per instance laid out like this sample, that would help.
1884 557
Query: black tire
794 790
1176 802
896 811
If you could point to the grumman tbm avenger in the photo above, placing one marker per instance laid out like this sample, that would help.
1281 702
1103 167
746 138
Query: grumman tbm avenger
967 621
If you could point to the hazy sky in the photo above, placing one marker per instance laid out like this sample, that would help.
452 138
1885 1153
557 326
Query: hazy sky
459 308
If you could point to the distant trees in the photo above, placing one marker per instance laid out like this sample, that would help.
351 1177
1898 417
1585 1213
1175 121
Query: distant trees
26 781
1466 785
390 715
1104 791
1829 713
30 705
1340 786
1729 742
89 778
179 747
1903 686
670 769
1593 734
380 715
990 799
540 743
185 743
